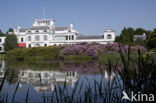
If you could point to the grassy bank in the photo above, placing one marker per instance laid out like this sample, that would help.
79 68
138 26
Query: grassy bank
116 57
2 56
77 58
43 53
38 53
103 58
75 53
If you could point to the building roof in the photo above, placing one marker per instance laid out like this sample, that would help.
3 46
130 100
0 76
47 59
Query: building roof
44 28
23 30
89 37
109 30
40 28
143 37
61 28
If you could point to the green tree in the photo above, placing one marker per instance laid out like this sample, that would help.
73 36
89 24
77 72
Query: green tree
10 42
151 41
1 34
139 31
139 42
126 36
10 30
117 38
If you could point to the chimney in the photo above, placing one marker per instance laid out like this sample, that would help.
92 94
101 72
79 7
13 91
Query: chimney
52 22
19 27
71 26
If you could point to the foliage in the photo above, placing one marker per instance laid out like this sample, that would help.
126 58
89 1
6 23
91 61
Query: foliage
33 65
1 34
10 42
37 53
77 58
140 31
95 50
140 42
127 34
151 41
2 56
117 39
113 57
77 52
10 30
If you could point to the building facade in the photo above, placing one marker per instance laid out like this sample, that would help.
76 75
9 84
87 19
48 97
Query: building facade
2 40
140 37
45 33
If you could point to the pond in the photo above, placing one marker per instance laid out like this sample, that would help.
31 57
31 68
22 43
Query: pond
60 82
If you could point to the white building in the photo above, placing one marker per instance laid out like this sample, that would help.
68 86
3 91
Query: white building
2 40
45 33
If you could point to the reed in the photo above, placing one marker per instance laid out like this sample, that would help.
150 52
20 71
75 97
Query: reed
16 88
27 96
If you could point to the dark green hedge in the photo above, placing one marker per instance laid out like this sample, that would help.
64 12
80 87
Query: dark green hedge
36 53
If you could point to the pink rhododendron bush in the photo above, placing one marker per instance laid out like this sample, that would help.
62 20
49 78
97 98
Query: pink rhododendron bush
94 49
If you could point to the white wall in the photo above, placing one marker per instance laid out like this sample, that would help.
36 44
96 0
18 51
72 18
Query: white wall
2 39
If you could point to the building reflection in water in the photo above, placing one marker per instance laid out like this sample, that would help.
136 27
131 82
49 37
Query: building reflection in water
2 66
49 78
109 75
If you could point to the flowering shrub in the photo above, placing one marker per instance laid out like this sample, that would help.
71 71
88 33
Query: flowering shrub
94 50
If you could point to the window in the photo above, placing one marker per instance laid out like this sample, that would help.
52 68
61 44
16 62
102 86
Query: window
29 38
69 37
46 75
22 73
109 36
45 37
36 31
45 30
37 45
72 37
45 45
0 48
37 38
21 39
29 31
66 37
0 40
73 74
29 45
59 38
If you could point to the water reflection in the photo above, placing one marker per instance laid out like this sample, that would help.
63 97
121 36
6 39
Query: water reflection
49 79
28 72
2 66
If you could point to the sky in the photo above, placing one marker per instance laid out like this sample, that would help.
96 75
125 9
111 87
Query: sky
90 17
